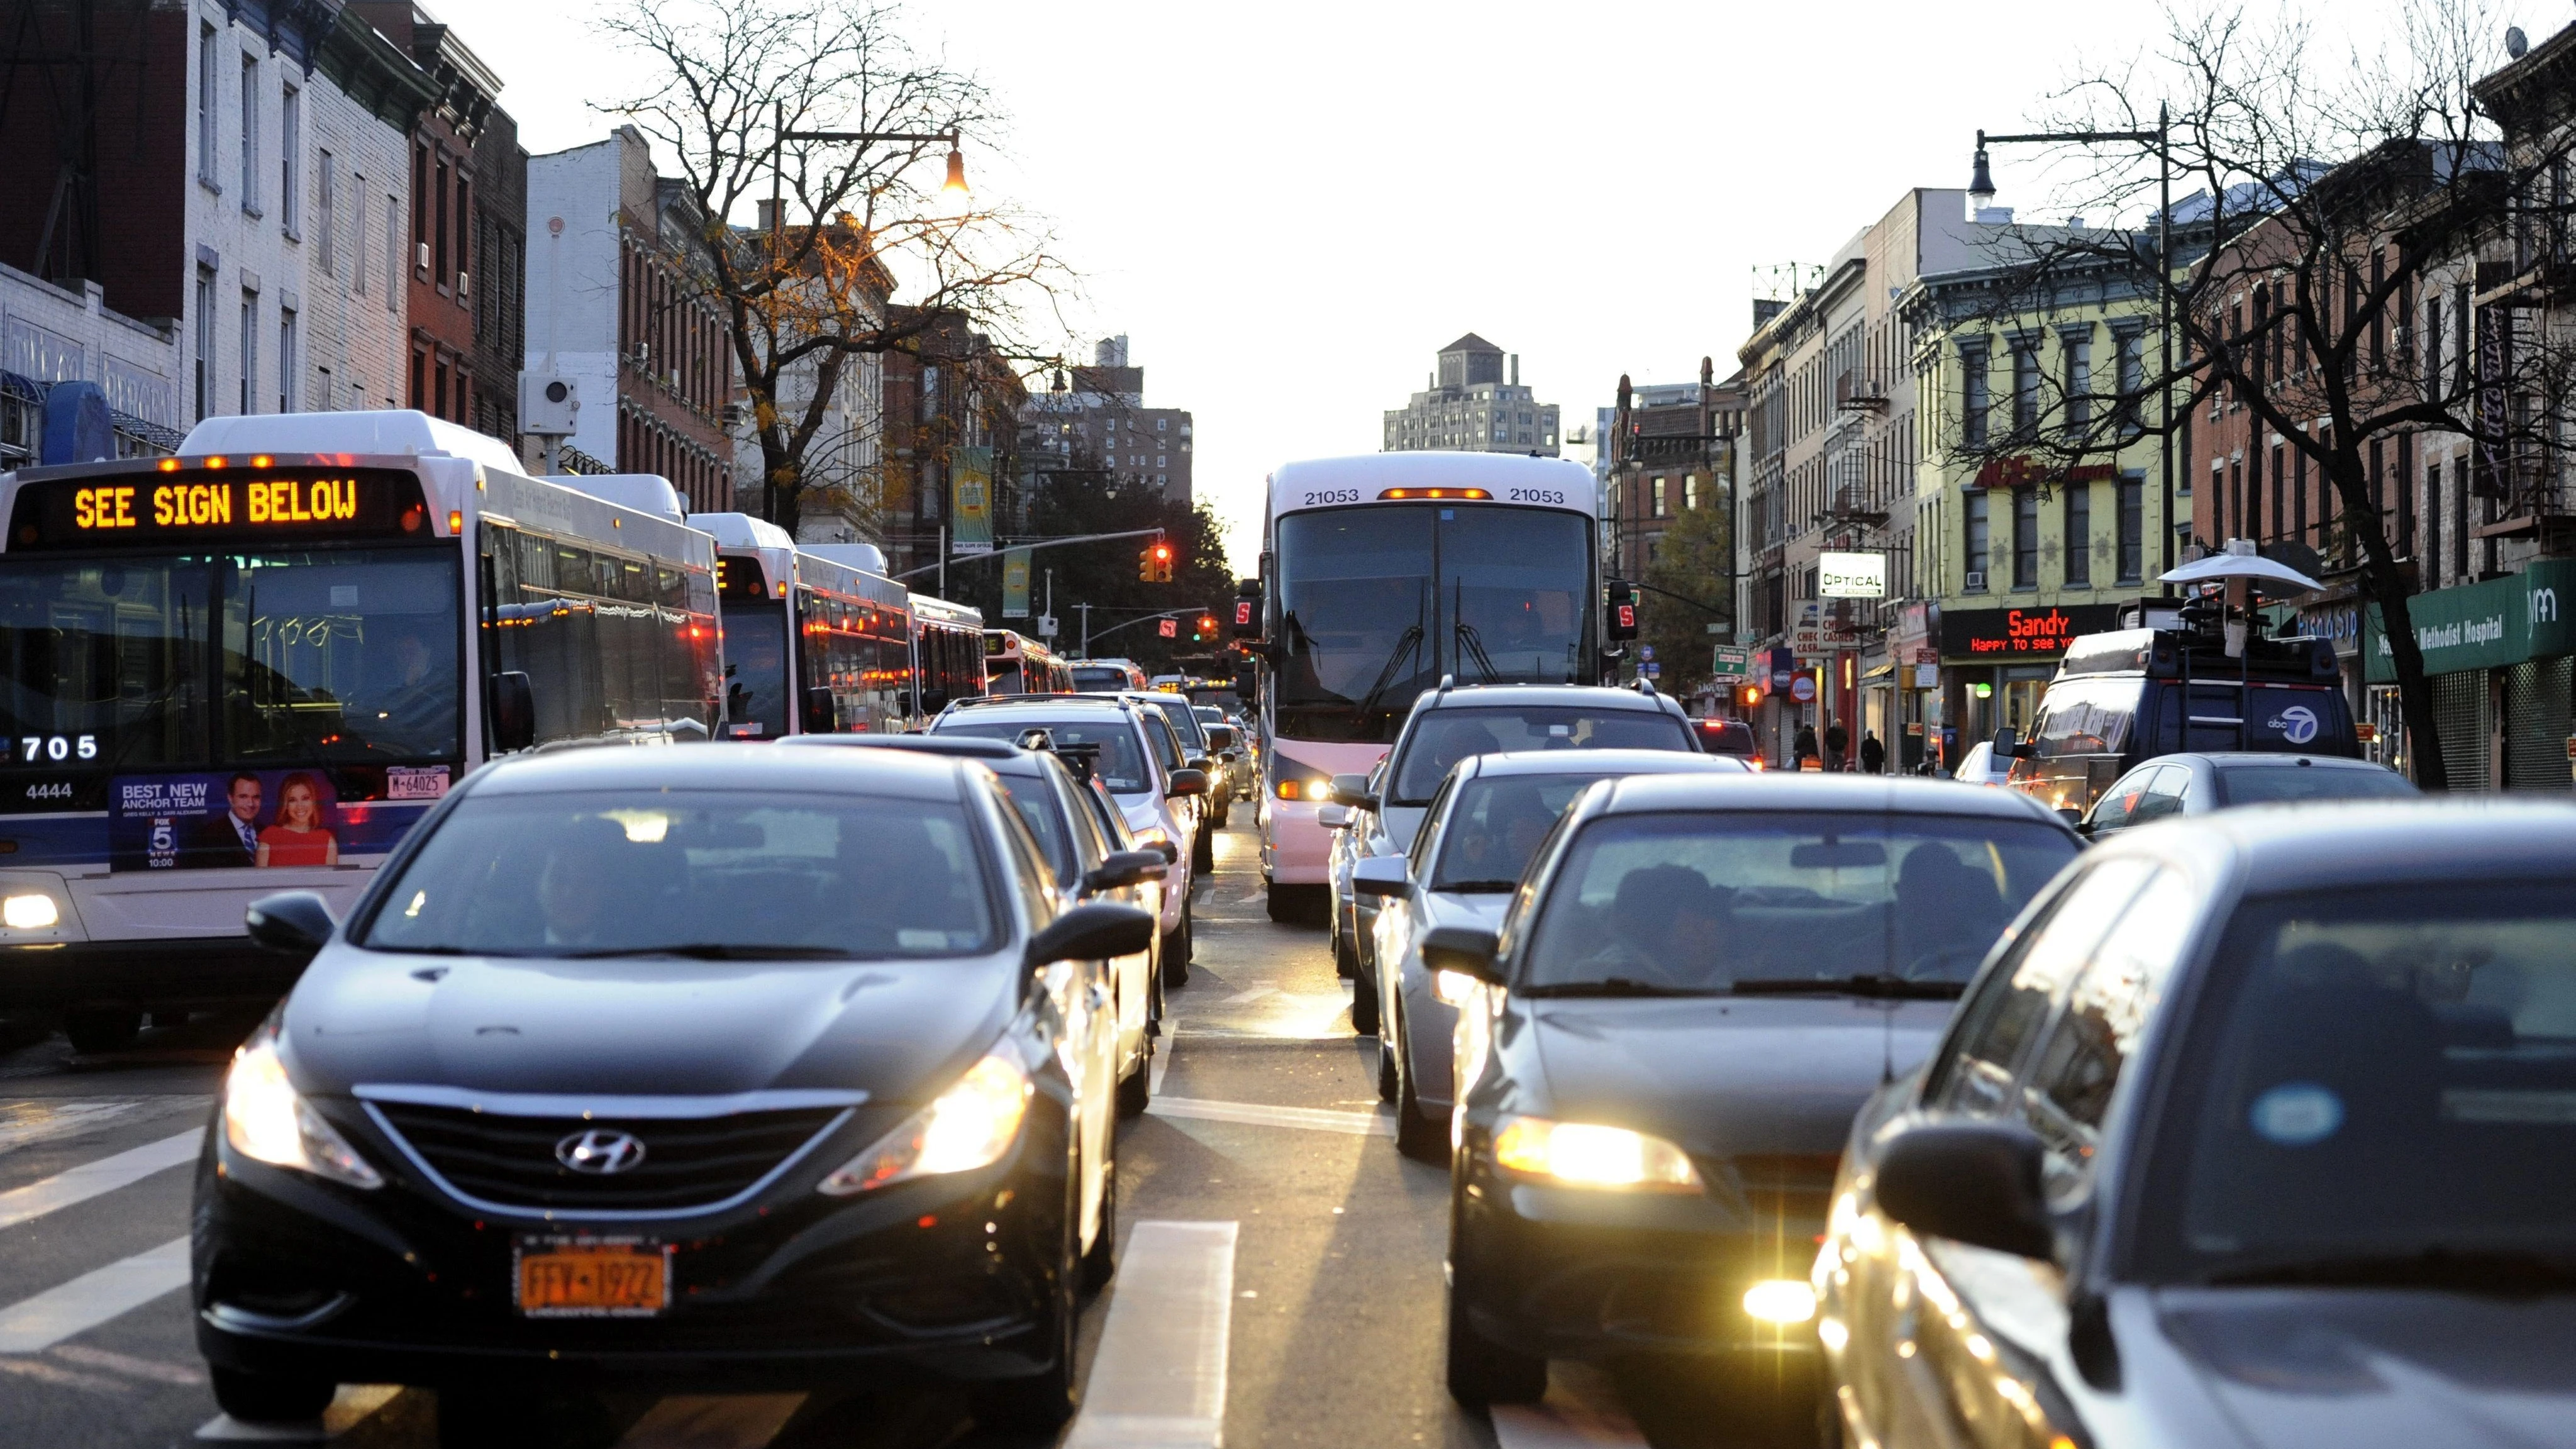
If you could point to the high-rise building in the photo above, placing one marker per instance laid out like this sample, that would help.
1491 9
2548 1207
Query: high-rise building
1100 426
1474 404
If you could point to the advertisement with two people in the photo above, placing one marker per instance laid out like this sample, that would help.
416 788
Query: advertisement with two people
265 818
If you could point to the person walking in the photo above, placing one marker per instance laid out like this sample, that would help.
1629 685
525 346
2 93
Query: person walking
1873 755
1837 747
1805 748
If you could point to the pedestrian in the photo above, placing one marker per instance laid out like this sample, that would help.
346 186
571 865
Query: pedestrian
1873 755
1805 749
1837 747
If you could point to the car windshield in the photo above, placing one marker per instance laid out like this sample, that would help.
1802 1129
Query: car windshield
1121 763
1496 825
1185 726
2380 1088
736 874
1764 900
1442 737
2279 783
1092 679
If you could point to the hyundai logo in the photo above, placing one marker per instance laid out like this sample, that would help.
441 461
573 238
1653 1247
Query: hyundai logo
601 1150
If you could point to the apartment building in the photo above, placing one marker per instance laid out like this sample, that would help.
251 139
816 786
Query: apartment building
1474 403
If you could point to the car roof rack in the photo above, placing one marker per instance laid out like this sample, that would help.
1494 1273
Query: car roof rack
973 747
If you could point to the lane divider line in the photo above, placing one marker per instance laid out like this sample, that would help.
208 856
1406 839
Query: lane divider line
32 1325
1158 1377
90 1179
1260 1114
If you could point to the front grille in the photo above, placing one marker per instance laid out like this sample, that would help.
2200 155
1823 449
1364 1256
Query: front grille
688 1162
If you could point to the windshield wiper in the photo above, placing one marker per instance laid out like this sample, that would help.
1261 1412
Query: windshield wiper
1617 986
1860 985
2507 1272
1405 644
1472 887
716 951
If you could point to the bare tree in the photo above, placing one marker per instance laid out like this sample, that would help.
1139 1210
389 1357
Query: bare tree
732 79
2343 205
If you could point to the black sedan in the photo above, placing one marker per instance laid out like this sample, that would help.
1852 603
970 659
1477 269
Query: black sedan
1699 981
2200 783
2261 1133
746 1067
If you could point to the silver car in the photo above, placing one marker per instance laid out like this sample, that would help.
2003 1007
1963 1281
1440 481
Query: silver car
1479 833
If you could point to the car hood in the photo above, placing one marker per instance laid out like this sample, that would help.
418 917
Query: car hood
2364 1368
1727 1075
642 1026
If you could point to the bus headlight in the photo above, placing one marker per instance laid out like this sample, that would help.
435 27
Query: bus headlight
1316 790
30 912
267 1120
970 1126
1582 1154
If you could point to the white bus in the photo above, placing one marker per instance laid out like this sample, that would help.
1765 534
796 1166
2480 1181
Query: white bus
1382 573
251 667
947 654
1017 664
816 641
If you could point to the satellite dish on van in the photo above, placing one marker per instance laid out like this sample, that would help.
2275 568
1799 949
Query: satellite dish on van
2253 568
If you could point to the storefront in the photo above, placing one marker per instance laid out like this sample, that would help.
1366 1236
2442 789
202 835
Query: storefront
2498 656
1996 663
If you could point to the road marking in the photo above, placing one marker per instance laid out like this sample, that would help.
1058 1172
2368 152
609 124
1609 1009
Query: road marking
354 1405
1246 998
1163 1056
1261 1114
128 1365
1158 1377
80 1184
32 1325
36 1119
711 1421
62 1378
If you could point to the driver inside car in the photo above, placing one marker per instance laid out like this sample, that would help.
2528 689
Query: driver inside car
1668 925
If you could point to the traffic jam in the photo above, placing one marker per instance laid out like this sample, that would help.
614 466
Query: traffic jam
500 960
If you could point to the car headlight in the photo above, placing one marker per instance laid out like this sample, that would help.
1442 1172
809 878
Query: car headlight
267 1120
1452 988
1584 1154
34 911
1780 1300
970 1126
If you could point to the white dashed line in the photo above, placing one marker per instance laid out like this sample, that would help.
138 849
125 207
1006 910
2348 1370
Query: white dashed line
1260 1114
32 1325
1158 1378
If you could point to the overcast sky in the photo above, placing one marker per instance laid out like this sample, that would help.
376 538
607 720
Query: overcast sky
1289 208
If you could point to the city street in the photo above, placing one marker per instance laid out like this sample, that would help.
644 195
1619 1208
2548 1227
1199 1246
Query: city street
1280 1262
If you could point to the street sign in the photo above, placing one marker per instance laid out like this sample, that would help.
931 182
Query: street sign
1652 670
1168 628
1802 688
1645 651
1046 626
1731 663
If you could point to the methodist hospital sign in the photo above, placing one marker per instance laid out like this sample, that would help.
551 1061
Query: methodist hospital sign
2529 615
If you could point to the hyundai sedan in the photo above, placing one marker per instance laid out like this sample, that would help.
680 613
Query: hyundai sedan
757 1067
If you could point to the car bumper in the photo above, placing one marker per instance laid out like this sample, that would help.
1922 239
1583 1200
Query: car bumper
204 971
1580 1273
297 1277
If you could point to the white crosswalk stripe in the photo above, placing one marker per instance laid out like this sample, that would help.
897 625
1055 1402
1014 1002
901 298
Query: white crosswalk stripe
1158 1378
32 1325
1261 1114
31 1120
80 1184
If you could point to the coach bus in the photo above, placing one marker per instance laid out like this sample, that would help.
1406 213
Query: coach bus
252 666
1381 574
814 642
1017 664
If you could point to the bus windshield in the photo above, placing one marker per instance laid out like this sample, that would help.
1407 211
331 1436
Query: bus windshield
755 655
1378 602
343 655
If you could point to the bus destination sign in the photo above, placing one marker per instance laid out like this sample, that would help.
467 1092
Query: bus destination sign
218 505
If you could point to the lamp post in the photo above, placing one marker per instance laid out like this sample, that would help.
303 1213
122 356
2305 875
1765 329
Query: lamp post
1981 192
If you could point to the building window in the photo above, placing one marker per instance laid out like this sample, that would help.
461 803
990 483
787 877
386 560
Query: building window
464 240
249 351
1659 497
1975 512
208 57
2078 350
393 256
2132 381
419 206
286 360
205 342
438 230
1975 399
419 380
2079 534
326 212
2433 514
2026 538
250 134
2025 387
1690 492
290 158
2132 528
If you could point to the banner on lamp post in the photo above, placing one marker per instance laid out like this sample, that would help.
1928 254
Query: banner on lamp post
970 499
1015 583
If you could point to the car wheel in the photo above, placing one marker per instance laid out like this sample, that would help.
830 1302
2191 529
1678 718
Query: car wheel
1040 1403
93 1032
271 1398
1481 1371
1346 956
1203 853
1363 1005
1386 1071
1222 813
1101 1263
1420 1137
1137 1087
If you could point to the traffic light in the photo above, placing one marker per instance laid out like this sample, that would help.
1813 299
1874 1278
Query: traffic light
1158 563
1205 628
1748 695
1623 612
1145 565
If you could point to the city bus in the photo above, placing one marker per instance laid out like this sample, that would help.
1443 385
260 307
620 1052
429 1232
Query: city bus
814 643
1017 664
252 666
947 656
1385 572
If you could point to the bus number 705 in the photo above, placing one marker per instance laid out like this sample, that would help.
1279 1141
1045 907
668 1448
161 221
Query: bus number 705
33 748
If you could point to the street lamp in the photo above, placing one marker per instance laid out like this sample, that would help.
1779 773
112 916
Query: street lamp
1981 193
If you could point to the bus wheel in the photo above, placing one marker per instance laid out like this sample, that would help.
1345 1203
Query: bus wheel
93 1032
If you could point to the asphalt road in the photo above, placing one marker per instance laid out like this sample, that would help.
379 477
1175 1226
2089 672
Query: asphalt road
1280 1273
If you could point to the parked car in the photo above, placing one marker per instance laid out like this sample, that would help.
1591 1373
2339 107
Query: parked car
1699 981
1980 767
1137 757
1477 837
633 1068
2256 1134
1447 725
2197 784
1090 858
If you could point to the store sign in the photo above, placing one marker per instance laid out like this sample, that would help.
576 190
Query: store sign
1851 575
2490 625
2022 633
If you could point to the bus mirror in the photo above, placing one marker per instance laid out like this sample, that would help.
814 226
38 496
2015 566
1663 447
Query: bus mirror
514 712
822 717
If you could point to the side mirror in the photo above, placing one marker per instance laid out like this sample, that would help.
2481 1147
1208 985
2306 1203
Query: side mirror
1333 817
1380 875
513 708
1463 949
1221 737
1094 932
822 715
2073 817
2009 745
1973 1182
1200 764
1170 853
1123 868
1188 782
1353 790
290 923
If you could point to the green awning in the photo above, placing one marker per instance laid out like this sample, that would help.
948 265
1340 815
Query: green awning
2489 625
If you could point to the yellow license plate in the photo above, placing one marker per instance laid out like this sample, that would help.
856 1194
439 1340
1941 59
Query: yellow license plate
584 1278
